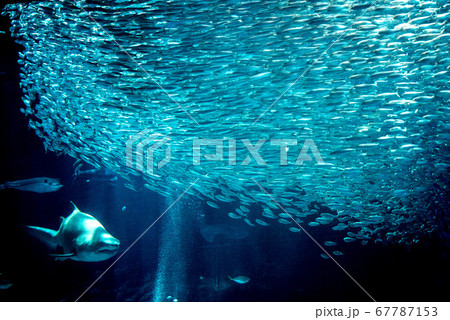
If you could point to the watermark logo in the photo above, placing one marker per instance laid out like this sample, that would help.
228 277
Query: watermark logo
146 145
141 148
309 147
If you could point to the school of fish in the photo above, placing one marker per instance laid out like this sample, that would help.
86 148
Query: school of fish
367 81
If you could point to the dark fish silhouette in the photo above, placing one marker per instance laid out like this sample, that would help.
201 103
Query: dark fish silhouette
210 232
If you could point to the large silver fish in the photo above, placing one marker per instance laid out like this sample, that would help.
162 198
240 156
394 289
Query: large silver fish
81 237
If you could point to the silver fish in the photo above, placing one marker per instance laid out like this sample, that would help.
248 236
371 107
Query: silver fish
239 279
39 185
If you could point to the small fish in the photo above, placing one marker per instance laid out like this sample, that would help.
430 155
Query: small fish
330 243
131 187
39 185
97 174
337 253
268 214
249 222
292 229
261 222
291 211
344 219
284 221
340 227
323 220
239 279
212 204
244 209
272 205
233 216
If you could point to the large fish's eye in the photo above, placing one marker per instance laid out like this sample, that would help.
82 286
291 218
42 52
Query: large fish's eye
45 180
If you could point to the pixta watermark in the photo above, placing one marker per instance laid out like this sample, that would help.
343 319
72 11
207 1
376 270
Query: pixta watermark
144 145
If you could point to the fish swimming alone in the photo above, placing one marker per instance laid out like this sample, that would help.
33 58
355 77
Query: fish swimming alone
239 279
97 175
39 185
4 283
81 236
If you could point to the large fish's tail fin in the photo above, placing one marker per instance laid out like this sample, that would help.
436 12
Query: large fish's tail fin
48 236
3 186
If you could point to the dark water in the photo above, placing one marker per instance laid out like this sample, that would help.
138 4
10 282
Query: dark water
172 258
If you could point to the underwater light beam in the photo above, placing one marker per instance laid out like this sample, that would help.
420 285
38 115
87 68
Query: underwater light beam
135 241
138 64
317 59
317 243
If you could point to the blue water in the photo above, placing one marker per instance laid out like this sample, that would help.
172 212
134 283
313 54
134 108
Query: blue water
192 250
283 266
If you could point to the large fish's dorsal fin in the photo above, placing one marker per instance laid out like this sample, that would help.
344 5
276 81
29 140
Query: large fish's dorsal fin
74 206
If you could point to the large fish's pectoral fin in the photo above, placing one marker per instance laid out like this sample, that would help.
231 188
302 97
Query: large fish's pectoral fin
63 256
45 235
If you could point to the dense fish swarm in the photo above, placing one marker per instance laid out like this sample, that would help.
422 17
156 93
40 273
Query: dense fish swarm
372 93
